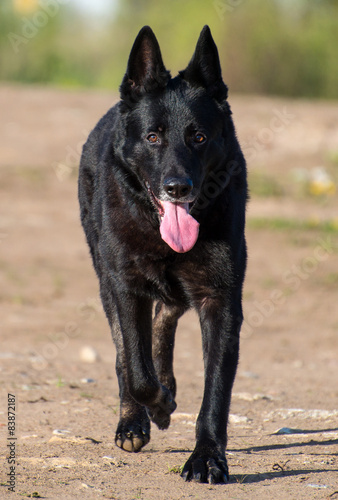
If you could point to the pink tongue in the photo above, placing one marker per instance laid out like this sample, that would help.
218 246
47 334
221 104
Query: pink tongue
178 228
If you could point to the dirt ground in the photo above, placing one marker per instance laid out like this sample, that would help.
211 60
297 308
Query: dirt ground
66 399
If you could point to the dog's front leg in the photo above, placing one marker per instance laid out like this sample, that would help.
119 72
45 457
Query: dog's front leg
220 332
135 320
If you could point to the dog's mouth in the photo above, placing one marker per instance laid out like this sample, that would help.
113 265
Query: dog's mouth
177 227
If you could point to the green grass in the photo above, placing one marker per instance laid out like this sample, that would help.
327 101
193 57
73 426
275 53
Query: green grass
297 39
60 383
86 395
58 284
283 224
176 469
329 280
332 157
264 186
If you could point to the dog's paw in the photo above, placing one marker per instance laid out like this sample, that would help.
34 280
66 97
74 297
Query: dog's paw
206 468
160 412
132 436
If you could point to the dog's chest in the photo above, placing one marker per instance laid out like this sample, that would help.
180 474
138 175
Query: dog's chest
157 278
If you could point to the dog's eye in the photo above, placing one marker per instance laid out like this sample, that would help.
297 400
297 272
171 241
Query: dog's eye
152 138
199 138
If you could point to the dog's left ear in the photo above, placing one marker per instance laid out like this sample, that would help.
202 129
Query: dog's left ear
204 69
145 70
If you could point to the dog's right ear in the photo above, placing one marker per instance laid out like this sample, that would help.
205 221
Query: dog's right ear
145 70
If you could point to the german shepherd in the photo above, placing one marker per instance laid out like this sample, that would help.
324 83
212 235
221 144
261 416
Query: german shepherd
162 191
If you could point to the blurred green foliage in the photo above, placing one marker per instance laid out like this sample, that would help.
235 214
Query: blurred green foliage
284 47
281 47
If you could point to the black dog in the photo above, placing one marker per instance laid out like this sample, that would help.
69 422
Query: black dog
162 190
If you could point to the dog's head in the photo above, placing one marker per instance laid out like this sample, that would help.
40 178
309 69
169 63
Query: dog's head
176 130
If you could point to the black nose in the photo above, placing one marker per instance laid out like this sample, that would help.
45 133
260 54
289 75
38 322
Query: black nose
178 187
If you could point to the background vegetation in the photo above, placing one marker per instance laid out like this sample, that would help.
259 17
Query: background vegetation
280 47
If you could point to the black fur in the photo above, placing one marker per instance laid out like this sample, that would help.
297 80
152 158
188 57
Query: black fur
168 140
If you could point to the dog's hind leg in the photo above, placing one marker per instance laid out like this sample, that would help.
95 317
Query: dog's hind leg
134 313
164 328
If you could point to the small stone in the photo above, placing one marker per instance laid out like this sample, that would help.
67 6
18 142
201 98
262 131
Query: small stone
87 380
89 355
301 413
61 438
246 396
60 432
8 355
114 461
248 374
183 417
238 419
287 430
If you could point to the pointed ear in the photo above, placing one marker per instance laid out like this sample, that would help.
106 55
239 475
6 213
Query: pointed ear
145 70
204 69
